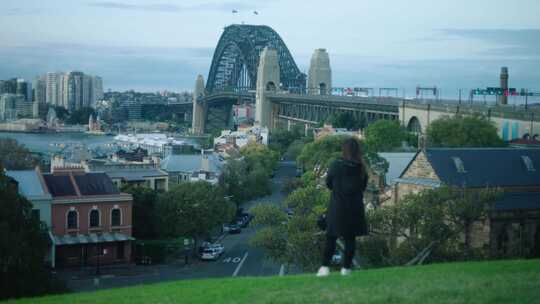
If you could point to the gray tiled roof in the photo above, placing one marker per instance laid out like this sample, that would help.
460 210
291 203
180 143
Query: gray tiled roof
493 167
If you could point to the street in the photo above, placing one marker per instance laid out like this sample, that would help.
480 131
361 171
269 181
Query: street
239 258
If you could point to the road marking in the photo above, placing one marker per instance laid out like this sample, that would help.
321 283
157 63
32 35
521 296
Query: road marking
282 270
235 273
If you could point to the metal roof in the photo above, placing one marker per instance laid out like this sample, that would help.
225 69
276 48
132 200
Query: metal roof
30 185
189 163
397 162
418 181
136 175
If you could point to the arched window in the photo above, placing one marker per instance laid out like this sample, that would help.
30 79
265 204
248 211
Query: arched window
322 88
116 217
94 218
72 222
270 86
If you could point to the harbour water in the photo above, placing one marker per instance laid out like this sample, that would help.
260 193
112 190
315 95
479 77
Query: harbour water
47 142
50 143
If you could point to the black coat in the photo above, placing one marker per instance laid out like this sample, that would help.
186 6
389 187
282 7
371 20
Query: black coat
346 215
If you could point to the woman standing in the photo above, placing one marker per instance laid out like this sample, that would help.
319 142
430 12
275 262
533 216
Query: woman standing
347 178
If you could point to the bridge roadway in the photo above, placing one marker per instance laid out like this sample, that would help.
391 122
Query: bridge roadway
415 114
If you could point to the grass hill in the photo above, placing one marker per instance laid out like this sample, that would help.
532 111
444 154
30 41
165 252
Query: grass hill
515 281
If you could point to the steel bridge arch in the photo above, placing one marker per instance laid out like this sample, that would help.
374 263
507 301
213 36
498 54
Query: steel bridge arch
236 58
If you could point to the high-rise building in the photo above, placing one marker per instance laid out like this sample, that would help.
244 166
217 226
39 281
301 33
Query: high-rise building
10 106
8 86
73 90
87 91
40 89
24 88
52 89
97 89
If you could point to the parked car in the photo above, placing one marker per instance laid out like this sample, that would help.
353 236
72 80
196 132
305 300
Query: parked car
210 254
219 247
234 229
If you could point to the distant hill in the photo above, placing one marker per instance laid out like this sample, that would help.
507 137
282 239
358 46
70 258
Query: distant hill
515 281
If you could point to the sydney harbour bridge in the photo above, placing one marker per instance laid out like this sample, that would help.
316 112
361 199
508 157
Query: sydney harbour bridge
251 63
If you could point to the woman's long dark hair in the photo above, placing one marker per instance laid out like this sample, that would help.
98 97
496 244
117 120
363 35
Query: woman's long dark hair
351 150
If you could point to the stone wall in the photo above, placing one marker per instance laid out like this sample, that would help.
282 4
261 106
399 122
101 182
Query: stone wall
421 168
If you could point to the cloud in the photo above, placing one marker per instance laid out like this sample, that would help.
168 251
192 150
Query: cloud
171 8
501 42
19 11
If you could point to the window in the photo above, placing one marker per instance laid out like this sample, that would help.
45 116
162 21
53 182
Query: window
460 168
115 217
72 220
94 218
528 163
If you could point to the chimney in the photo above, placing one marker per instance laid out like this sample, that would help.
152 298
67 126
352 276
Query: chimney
504 86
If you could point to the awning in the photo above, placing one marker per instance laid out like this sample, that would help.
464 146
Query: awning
92 238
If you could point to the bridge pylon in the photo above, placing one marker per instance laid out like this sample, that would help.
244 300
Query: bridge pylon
320 74
199 108
268 81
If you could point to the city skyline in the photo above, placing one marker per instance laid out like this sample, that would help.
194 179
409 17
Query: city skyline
151 46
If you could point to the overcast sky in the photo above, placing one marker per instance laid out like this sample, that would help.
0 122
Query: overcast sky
164 44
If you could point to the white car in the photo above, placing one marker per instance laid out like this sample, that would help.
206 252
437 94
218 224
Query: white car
210 254
218 247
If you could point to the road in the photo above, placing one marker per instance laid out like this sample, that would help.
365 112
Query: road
239 259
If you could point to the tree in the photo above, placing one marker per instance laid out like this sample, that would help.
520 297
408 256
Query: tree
61 112
259 156
81 116
23 245
281 139
296 240
192 210
346 120
14 156
144 209
437 218
317 156
384 136
463 131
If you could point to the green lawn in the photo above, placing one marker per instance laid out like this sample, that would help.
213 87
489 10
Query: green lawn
475 282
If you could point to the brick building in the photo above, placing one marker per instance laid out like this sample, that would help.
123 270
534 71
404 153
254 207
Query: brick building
513 226
91 219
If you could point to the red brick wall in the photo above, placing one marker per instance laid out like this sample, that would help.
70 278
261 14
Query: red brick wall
59 217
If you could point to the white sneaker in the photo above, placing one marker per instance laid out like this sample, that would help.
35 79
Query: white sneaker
345 272
323 271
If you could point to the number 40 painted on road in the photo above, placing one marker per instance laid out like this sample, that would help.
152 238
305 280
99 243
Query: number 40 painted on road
233 260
